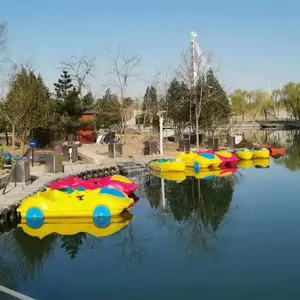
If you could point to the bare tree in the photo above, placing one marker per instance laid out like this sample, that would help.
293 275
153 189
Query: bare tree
16 67
124 65
81 69
161 82
122 73
3 35
3 42
192 71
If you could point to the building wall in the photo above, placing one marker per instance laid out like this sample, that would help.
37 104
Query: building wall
132 119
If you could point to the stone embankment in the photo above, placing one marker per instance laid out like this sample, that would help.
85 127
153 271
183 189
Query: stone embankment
16 194
102 166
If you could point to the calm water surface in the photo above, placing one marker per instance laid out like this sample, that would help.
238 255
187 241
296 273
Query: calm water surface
227 238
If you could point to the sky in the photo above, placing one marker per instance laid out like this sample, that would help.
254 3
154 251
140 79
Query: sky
251 41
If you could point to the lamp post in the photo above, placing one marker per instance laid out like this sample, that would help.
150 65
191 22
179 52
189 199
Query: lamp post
161 121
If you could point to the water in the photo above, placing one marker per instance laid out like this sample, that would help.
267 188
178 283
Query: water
228 238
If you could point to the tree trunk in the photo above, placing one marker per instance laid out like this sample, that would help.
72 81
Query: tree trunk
6 138
197 129
190 121
13 139
144 121
23 140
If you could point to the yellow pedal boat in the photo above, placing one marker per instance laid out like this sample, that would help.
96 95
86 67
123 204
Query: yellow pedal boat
244 154
199 161
168 165
105 202
79 225
261 153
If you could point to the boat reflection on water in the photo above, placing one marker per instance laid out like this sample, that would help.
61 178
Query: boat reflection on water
257 163
189 172
170 176
73 226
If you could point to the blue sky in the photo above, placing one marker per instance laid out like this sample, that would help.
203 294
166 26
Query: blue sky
251 40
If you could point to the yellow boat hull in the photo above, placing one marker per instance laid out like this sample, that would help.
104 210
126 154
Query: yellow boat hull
78 225
105 202
205 160
168 166
263 153
244 155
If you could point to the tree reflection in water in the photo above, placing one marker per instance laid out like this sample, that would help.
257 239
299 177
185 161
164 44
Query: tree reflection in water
9 265
73 243
32 251
292 159
132 246
196 208
22 256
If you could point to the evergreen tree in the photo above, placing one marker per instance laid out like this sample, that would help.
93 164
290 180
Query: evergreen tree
178 105
108 110
88 101
217 109
69 107
64 85
150 108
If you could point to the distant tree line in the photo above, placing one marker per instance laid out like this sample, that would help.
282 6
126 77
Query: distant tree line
258 103
193 98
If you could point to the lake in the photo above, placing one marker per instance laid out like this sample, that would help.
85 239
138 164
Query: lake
231 238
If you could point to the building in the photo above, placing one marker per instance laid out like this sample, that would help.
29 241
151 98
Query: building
86 135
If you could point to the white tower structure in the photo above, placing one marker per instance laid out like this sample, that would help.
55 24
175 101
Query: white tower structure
198 60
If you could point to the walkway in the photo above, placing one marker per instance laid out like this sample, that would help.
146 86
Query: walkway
16 194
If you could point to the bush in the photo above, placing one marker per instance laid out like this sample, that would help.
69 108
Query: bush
244 144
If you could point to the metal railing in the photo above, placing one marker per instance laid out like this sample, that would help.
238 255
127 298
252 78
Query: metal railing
14 294
9 176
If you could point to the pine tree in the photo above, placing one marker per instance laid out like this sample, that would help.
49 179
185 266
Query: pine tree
177 105
108 110
69 106
150 108
88 101
217 109
64 85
